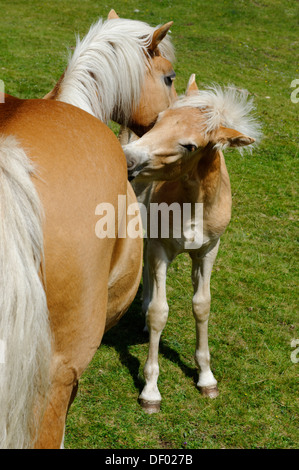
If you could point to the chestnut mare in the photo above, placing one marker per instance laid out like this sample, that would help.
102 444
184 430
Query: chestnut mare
62 286
186 141
105 64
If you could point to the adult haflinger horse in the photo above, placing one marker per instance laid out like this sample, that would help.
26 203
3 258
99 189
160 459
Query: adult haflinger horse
185 149
107 68
61 285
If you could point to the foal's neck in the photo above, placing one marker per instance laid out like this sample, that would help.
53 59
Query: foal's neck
202 183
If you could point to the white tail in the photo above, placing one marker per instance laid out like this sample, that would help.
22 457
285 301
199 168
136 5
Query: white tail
24 325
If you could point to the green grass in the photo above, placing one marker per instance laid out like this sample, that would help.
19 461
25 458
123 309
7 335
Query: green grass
254 313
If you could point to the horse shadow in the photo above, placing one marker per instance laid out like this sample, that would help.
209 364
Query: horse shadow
129 332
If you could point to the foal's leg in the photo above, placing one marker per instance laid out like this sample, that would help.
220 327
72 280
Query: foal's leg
201 274
147 288
156 318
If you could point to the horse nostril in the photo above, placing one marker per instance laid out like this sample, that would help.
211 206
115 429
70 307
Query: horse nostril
130 164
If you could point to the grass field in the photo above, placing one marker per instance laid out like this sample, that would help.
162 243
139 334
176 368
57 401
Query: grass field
254 313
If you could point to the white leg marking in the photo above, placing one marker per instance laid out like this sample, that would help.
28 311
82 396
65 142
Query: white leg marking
201 274
156 319
62 442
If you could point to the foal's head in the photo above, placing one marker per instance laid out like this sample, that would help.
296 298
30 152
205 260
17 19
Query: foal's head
198 122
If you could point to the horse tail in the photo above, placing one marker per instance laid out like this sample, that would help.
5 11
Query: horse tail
25 339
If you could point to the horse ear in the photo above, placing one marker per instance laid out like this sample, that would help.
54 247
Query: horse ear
232 138
158 35
112 15
191 87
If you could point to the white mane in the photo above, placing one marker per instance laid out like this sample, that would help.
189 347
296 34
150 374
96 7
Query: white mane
106 71
228 107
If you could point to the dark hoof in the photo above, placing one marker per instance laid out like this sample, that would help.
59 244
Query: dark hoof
150 406
210 392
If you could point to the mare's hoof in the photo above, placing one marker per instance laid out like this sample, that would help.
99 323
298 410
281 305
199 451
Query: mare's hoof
150 406
211 392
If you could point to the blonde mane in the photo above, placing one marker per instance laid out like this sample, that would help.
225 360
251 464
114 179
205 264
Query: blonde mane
105 74
229 107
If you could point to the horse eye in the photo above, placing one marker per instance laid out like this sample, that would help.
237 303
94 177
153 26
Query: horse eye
190 147
168 79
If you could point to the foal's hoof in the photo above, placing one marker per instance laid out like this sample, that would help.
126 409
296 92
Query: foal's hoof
150 407
211 392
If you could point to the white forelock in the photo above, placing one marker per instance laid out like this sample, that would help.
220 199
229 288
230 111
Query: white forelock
229 107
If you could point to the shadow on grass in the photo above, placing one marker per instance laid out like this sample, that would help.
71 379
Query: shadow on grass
129 332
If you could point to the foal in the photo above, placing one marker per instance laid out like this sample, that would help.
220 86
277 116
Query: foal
185 148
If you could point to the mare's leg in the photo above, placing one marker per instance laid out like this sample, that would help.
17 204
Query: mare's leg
201 274
51 435
77 336
156 317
